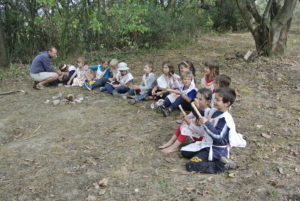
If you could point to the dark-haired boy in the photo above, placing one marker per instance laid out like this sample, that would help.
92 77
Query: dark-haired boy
215 158
220 81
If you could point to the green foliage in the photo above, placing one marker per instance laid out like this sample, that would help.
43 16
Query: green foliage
89 26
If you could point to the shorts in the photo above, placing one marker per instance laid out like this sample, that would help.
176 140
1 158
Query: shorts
42 76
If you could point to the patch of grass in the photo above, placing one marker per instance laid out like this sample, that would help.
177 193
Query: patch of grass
272 193
163 185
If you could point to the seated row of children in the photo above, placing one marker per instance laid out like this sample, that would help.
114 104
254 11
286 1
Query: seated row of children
209 124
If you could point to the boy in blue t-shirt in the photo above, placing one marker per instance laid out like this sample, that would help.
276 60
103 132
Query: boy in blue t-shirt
182 96
102 75
214 159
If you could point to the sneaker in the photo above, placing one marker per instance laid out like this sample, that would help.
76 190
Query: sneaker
88 86
228 164
34 84
166 112
116 94
131 101
102 89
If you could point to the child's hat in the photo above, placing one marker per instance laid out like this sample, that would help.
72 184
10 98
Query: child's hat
122 66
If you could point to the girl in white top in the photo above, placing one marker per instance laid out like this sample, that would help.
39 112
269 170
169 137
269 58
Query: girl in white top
189 128
168 80
211 71
79 77
187 67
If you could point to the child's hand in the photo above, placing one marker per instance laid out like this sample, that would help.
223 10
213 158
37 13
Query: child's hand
111 79
135 87
203 120
159 93
182 116
116 86
198 122
69 83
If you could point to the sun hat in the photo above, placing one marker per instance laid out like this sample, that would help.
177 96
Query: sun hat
122 66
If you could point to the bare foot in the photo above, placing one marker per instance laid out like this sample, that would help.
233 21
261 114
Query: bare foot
164 145
169 150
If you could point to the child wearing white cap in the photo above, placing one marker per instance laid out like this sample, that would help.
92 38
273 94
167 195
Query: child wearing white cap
122 82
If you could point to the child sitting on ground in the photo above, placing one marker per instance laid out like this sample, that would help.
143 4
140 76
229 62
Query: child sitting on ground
211 70
182 96
221 129
123 81
189 128
102 75
187 67
67 71
220 81
165 81
147 83
79 76
190 150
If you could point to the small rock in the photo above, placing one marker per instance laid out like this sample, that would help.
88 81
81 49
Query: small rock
102 191
47 101
103 182
91 198
231 175
266 135
56 102
78 101
259 126
266 172
136 190
280 170
80 97
58 96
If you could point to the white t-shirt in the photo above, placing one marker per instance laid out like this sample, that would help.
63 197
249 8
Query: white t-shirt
124 79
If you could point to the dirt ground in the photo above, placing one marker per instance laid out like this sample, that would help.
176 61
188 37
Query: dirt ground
62 152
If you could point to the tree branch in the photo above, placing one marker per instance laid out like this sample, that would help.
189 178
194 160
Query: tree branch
253 10
285 13
248 17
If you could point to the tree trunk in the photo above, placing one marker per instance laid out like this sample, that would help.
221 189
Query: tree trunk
4 62
171 4
271 29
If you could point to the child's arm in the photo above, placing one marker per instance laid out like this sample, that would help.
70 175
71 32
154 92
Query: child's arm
72 77
128 83
216 133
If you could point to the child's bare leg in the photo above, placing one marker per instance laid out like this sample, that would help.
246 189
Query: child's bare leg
169 143
173 148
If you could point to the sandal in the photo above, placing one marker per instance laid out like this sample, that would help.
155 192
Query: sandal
39 86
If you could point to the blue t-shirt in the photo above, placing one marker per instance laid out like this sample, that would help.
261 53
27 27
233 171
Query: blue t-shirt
106 74
41 63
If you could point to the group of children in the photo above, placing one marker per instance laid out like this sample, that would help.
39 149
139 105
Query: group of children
208 125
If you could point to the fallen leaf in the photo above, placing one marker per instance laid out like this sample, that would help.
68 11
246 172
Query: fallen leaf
189 189
96 185
170 160
102 191
280 170
259 126
266 135
103 182
276 184
136 190
91 198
